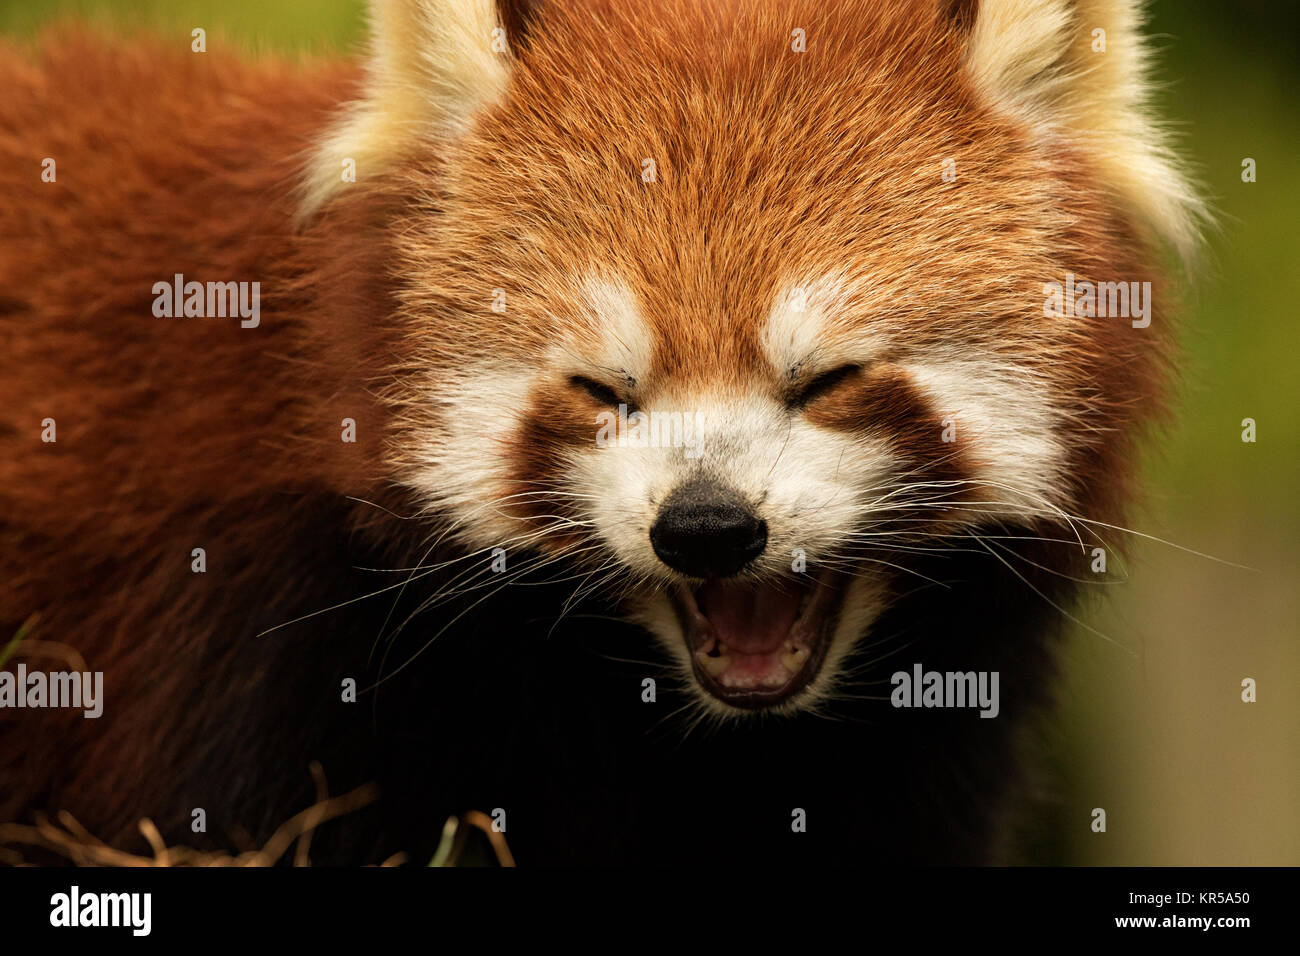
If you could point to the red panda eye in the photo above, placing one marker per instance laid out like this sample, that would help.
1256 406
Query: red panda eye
600 392
822 385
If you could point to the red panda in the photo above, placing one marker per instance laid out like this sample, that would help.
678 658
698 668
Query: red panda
793 346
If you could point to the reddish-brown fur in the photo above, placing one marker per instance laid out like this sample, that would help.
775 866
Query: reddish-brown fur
174 433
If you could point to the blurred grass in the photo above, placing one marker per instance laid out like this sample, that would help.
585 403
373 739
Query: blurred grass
261 25
1151 725
1187 772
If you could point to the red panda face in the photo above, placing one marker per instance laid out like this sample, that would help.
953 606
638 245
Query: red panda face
728 313
750 499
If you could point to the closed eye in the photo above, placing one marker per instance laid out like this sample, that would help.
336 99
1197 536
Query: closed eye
597 390
823 385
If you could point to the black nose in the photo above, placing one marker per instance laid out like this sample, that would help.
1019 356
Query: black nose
705 532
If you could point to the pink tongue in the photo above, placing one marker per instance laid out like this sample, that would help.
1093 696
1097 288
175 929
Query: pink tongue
748 619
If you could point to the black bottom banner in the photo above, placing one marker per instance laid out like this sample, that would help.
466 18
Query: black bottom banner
314 905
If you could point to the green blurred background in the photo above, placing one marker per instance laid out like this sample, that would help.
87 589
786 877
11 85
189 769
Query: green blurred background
1152 727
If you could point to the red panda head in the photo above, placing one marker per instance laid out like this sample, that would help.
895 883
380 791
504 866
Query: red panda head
727 308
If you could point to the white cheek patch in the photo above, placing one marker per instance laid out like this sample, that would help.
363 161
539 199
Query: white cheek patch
1001 414
461 465
1003 418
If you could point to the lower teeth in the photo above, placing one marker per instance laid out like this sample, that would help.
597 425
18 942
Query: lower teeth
794 660
715 665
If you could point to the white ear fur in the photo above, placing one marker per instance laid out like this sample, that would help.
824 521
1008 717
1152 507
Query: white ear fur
1035 59
433 64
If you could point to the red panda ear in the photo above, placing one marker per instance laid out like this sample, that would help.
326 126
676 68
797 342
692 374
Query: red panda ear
1079 68
433 64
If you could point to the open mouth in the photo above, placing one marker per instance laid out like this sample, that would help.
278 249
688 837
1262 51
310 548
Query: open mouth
758 645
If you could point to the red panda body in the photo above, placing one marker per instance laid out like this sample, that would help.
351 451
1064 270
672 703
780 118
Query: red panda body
166 430
827 230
